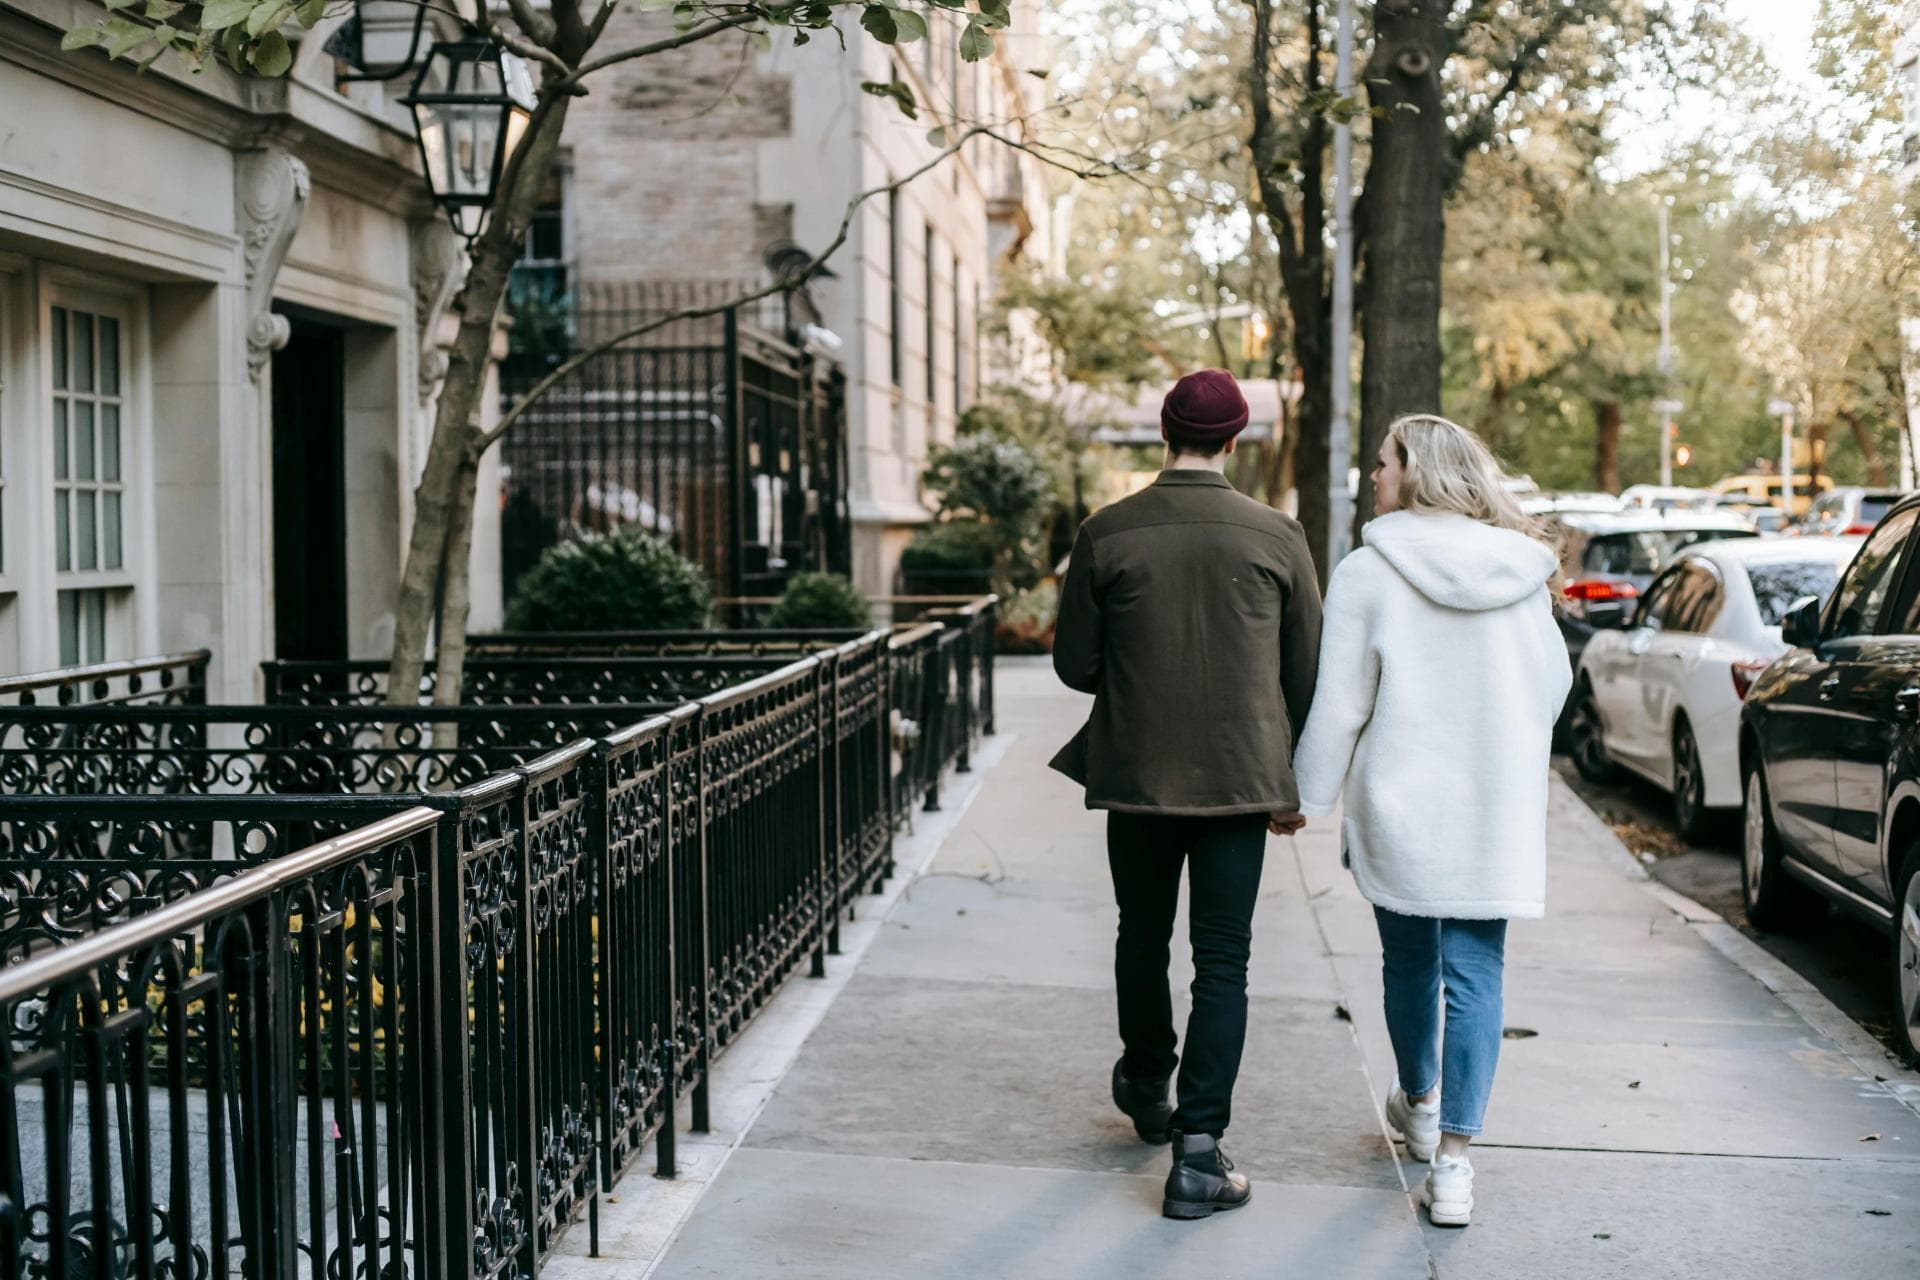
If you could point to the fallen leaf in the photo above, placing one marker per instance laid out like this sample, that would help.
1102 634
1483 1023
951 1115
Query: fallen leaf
1869 1137
1634 1085
1608 1235
1881 1213
1340 1012
962 911
1518 1033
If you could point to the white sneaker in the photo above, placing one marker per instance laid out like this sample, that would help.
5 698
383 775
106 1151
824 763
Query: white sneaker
1448 1191
1415 1123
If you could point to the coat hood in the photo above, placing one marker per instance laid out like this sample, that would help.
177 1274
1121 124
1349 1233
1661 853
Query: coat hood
1460 563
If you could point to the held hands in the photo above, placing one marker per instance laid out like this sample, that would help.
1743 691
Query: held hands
1285 824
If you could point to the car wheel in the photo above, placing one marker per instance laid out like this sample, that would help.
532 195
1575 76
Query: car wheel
1690 813
1584 742
1906 959
1774 900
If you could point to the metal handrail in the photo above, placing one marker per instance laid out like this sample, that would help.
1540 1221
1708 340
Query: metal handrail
20 981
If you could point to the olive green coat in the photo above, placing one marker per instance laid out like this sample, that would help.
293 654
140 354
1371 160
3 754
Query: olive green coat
1192 614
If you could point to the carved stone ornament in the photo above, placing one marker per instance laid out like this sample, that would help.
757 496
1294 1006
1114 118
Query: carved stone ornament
439 269
274 187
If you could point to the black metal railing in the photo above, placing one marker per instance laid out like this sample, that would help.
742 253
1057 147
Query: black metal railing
428 1041
178 679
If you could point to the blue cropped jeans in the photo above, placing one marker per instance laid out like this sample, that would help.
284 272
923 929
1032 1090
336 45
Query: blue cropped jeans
1422 958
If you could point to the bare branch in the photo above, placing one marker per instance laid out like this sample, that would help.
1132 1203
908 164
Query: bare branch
1479 131
537 25
793 281
526 47
717 27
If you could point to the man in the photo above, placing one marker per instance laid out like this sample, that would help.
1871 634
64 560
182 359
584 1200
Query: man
1192 614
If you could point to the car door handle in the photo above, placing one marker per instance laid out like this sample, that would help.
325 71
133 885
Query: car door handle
1907 702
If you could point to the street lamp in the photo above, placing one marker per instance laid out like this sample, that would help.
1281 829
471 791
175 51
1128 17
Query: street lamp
382 39
1665 409
1783 410
471 104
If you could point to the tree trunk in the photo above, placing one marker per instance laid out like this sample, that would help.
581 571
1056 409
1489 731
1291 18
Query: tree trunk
1876 465
1606 446
439 497
1406 185
450 667
1313 448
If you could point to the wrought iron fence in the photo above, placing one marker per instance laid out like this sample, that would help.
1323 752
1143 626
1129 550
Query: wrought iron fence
427 1043
177 679
725 436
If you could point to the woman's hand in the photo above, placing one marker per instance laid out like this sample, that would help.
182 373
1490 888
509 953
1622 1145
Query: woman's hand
1285 824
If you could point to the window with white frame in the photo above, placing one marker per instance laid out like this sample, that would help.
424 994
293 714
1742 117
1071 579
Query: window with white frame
87 417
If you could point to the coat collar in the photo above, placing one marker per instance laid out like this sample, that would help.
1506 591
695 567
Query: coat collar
1189 475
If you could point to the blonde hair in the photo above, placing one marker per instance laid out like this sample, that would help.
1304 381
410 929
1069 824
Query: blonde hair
1449 469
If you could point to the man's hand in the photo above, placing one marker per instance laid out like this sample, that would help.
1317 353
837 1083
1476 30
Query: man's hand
1285 824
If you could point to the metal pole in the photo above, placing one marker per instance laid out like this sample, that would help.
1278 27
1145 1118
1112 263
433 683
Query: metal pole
1666 351
1340 429
1786 461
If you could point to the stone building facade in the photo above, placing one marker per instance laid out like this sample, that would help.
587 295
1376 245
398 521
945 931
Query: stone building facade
691 166
220 311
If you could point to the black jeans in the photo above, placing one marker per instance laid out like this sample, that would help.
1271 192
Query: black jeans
1224 855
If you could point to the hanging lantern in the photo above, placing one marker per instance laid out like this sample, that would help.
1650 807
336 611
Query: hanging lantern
471 104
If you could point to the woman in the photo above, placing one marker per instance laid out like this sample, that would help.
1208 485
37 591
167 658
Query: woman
1441 673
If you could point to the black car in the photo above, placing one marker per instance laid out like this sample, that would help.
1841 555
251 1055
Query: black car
1830 759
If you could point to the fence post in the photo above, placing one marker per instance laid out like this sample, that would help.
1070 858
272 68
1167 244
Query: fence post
834 786
738 492
701 960
666 1163
933 694
439 963
826 904
986 661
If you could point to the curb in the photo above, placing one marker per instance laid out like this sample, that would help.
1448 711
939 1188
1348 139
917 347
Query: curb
1881 1071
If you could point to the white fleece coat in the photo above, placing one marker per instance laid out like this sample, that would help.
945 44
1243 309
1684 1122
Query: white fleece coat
1441 673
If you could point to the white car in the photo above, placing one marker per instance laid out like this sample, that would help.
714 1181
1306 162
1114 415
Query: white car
1662 696
1653 497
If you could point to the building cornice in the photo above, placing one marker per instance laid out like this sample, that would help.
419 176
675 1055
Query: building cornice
346 148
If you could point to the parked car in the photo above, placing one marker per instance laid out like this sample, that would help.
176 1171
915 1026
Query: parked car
1662 698
1607 560
1654 497
1850 510
1764 490
1547 504
1830 758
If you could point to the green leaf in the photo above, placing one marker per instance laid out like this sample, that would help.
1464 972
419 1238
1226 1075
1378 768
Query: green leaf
975 43
938 137
82 38
951 4
273 56
1000 11
164 10
901 95
1039 73
221 14
268 17
655 6
310 12
123 35
909 26
878 21
800 37
117 5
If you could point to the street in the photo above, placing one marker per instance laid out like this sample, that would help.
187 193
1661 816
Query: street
1846 961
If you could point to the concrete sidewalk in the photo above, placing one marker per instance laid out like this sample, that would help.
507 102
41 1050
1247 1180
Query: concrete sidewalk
1672 1115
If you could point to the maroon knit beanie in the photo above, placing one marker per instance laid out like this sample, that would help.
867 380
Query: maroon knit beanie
1204 408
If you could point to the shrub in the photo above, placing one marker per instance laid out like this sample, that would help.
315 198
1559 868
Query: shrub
821 600
627 580
1027 619
952 546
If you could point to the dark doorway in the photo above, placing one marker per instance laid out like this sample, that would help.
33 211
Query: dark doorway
310 494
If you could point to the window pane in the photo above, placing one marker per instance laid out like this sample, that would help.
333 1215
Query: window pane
109 442
110 554
82 351
82 440
59 439
63 552
1777 586
60 348
93 618
109 355
69 628
86 549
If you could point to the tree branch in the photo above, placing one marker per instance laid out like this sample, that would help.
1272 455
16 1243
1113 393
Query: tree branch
537 25
792 281
717 27
526 46
1479 130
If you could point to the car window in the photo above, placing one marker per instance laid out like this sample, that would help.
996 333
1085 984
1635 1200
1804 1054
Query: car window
1863 592
1874 509
1776 587
1646 551
1829 505
1695 601
1657 604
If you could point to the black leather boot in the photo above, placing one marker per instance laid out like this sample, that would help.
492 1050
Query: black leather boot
1202 1182
1144 1102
